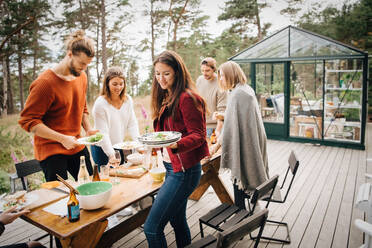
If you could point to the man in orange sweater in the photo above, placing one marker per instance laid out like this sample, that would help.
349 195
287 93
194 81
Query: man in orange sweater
56 109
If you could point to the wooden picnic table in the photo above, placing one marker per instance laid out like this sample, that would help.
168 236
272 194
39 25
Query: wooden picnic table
89 231
211 177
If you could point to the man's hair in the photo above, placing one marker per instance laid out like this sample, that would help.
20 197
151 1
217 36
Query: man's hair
77 42
211 62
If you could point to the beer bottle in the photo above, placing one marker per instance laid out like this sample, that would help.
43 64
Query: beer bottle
83 175
95 174
73 209
213 138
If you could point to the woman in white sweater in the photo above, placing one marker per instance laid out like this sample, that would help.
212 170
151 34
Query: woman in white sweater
114 116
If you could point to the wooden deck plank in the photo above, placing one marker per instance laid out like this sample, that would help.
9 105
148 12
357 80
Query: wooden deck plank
312 230
341 237
319 207
300 227
307 157
356 235
328 229
308 178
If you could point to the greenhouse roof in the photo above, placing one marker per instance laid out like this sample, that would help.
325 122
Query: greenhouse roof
292 43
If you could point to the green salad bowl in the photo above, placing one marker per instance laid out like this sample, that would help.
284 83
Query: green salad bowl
94 195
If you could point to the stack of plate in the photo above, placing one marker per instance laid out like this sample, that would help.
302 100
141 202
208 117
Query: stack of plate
160 138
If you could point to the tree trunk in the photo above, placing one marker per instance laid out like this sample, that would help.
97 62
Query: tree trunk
175 36
97 56
258 21
20 79
89 96
103 33
4 105
10 101
176 21
152 31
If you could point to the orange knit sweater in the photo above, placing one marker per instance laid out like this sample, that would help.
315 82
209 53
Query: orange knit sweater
58 104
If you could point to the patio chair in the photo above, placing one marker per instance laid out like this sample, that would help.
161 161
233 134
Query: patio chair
235 233
364 203
226 216
293 164
24 169
367 229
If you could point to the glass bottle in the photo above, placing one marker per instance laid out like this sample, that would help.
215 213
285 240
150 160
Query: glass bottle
213 138
73 208
154 162
95 174
83 176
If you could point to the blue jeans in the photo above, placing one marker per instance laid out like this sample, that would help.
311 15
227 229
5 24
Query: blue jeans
170 205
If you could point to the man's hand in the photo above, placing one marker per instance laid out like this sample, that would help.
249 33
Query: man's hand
69 142
9 215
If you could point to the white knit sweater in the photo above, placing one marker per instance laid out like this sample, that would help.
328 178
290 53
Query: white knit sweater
114 123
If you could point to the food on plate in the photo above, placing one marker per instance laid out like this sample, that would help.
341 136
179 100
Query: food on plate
160 136
50 185
15 199
131 172
95 138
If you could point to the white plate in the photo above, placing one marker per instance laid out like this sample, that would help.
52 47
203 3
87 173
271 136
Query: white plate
29 197
157 138
84 141
127 145
161 145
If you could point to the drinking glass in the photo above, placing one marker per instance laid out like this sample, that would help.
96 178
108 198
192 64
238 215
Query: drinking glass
105 173
116 164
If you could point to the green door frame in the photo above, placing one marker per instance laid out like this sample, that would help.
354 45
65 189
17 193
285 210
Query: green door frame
278 131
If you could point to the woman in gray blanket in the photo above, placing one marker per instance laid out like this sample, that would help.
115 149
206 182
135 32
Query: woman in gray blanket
243 137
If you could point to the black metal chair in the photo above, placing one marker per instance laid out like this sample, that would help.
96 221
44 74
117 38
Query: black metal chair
293 164
24 169
226 216
235 233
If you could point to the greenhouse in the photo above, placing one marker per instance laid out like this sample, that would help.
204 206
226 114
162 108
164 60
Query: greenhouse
310 88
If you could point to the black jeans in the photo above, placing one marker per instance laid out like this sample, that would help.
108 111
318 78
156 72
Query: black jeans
60 164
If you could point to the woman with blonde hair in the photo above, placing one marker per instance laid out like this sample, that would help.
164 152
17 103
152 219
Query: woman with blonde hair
176 107
243 137
114 116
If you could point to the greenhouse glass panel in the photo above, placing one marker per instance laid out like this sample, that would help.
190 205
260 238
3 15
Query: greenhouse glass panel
275 46
343 98
305 44
270 91
306 99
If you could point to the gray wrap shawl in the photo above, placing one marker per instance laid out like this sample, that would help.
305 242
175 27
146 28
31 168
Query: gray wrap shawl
244 139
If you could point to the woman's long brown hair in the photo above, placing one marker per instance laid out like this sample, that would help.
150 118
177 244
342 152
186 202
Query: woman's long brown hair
182 83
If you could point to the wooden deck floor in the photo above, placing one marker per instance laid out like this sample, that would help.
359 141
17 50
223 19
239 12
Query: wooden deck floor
320 208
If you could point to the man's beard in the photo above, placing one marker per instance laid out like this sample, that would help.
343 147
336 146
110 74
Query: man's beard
73 70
